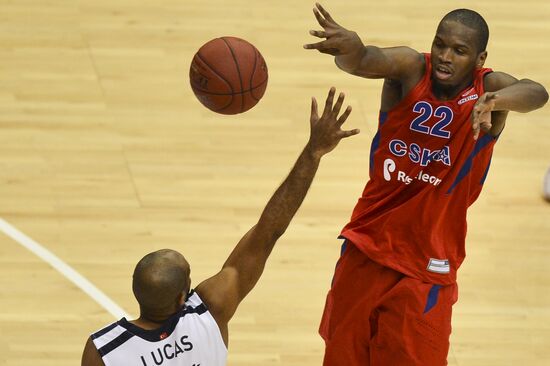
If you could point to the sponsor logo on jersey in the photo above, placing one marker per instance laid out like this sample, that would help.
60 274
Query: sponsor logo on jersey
421 176
389 168
467 99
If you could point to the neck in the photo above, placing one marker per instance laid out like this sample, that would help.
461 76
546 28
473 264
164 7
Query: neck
152 321
448 92
147 323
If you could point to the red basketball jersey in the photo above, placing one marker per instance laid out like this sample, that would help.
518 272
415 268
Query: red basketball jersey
426 169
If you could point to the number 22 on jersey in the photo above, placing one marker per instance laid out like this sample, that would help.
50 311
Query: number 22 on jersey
426 111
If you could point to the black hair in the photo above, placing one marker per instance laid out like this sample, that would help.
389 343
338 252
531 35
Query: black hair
473 20
158 280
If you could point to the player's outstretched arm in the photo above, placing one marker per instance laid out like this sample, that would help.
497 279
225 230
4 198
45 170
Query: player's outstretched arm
505 93
352 56
223 292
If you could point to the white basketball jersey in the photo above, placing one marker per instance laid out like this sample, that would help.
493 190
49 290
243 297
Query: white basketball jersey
190 337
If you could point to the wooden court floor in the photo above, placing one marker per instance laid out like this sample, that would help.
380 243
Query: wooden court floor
105 155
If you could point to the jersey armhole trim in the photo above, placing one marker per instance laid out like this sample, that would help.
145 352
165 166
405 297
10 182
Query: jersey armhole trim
219 332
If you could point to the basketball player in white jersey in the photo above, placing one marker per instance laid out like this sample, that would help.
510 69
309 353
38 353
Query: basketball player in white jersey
177 326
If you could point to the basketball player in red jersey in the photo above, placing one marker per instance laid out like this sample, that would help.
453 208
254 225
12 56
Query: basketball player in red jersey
441 114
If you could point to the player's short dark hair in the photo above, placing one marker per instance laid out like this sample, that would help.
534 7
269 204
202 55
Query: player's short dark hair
473 20
158 280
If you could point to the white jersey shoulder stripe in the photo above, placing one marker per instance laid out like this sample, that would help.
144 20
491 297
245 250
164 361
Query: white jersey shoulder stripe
107 334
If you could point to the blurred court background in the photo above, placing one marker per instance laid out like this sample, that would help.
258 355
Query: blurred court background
106 155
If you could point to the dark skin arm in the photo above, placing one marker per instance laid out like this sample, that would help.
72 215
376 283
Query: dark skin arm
403 67
401 64
90 356
504 93
223 292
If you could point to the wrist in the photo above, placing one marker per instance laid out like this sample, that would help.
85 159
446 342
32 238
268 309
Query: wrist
498 103
312 153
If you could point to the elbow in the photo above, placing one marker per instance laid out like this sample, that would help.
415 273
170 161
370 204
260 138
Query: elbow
277 234
540 94
544 95
269 234
344 67
351 62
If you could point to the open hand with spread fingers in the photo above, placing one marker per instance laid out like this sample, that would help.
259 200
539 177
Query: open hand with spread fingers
481 114
338 40
326 130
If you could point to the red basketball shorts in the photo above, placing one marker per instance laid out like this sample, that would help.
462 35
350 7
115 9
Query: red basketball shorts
375 316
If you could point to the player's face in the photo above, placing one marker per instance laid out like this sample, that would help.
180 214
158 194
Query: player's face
455 55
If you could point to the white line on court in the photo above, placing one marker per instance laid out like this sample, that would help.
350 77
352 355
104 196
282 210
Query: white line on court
63 268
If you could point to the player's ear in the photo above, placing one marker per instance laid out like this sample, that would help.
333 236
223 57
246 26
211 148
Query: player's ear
481 59
181 299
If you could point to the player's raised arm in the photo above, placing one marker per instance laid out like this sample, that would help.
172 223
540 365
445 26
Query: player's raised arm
223 292
505 93
352 56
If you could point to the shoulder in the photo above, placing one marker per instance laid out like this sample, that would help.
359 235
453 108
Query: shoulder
108 330
414 68
411 63
496 80
414 73
220 310
90 356
211 292
408 65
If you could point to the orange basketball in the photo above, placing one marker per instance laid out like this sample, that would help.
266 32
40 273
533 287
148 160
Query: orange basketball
228 75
